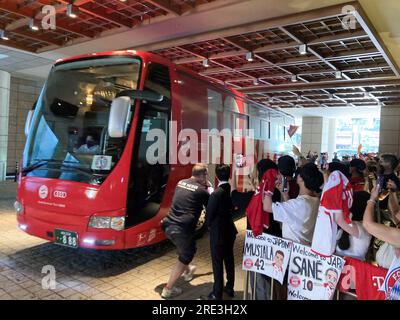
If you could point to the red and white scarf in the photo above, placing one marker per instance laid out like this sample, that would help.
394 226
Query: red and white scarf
336 198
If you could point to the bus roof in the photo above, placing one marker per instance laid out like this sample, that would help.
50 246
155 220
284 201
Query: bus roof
160 59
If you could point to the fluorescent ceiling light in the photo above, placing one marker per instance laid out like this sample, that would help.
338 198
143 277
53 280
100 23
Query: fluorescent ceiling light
3 35
72 11
303 49
32 25
250 56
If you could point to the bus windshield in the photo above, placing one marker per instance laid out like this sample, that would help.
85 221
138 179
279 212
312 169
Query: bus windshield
69 137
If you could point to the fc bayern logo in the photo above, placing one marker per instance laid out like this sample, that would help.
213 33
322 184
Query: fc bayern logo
43 192
248 263
392 285
294 281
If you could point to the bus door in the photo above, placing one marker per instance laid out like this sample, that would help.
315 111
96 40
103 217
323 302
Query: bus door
150 166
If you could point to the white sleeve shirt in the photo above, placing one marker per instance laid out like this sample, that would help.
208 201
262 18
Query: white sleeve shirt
298 218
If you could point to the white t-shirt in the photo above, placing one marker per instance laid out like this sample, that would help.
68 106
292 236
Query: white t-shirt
358 246
85 149
298 218
325 235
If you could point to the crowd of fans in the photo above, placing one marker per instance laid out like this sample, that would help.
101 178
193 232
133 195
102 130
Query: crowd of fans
365 187
348 208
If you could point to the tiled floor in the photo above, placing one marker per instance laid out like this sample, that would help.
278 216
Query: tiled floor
88 274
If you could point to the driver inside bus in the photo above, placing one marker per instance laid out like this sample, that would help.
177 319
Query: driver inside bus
90 146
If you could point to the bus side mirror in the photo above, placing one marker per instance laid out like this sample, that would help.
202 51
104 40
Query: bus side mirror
119 117
28 122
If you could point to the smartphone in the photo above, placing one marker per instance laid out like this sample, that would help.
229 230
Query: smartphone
285 185
380 182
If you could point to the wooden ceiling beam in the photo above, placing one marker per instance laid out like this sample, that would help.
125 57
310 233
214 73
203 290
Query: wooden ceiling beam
28 14
100 12
16 45
167 6
359 83
38 36
366 24
272 47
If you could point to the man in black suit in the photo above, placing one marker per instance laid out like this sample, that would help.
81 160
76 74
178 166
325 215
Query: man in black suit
222 234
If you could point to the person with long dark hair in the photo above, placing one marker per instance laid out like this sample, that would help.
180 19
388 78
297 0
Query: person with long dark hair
355 246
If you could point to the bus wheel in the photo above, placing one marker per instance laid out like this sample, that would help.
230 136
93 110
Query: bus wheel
201 225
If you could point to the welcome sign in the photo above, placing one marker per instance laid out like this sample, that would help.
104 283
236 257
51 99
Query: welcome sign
311 276
266 254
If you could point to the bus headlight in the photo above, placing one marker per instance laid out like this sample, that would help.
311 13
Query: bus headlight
116 223
19 208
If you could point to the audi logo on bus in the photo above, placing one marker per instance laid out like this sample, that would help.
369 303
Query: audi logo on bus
60 194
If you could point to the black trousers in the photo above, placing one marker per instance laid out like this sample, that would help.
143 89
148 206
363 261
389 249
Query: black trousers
222 254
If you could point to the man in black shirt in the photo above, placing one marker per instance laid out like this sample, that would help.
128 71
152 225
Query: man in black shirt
190 197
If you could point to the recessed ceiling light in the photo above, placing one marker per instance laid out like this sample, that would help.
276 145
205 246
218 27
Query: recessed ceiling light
72 11
303 49
32 25
250 56
3 35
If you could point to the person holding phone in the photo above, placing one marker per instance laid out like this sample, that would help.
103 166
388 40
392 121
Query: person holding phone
388 163
357 179
385 233
287 169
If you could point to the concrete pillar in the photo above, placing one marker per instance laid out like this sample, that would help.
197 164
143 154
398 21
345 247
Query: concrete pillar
331 138
319 135
4 115
390 130
311 134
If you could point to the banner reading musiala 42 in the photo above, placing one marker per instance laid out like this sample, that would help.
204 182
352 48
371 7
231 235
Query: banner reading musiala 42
266 254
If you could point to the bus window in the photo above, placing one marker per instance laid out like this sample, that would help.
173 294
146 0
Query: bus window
150 170
255 124
214 108
241 124
265 130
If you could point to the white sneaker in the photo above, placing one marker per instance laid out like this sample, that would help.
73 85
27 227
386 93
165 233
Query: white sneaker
188 276
170 293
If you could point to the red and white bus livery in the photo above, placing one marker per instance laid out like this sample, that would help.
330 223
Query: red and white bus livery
84 178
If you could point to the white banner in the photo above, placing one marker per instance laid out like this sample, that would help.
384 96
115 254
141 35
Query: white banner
266 254
391 285
311 276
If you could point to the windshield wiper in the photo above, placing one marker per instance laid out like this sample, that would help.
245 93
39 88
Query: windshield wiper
80 170
63 167
41 162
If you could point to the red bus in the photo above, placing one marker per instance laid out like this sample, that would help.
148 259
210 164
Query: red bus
84 179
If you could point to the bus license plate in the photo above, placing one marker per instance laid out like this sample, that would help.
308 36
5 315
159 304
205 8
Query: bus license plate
66 238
